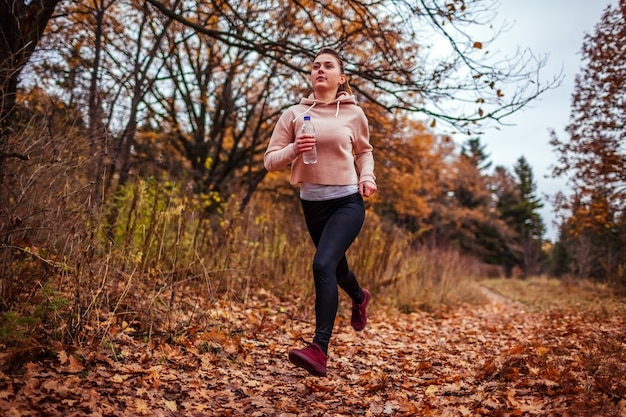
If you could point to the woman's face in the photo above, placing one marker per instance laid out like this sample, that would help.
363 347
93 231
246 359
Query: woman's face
326 73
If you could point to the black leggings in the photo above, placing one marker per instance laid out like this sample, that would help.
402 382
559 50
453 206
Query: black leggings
333 226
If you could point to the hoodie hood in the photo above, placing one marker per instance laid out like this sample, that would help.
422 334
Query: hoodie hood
311 101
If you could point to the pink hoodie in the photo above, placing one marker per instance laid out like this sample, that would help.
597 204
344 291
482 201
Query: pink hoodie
344 153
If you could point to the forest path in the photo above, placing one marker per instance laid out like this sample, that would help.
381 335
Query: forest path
493 359
495 297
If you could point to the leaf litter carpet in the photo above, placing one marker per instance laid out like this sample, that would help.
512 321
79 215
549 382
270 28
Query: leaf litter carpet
497 359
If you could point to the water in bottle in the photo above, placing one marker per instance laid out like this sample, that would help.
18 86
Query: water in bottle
309 157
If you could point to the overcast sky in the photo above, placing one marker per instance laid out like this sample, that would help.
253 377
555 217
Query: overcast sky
554 27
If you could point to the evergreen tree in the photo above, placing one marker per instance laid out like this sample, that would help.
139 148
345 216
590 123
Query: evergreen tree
530 225
518 206
471 189
466 216
475 151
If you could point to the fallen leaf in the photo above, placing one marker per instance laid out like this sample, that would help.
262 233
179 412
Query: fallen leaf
171 405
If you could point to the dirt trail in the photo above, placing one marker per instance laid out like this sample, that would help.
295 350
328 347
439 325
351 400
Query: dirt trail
494 297
496 359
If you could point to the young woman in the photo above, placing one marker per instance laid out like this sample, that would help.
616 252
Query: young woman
331 193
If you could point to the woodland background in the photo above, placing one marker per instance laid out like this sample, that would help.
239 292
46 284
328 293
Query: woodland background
131 144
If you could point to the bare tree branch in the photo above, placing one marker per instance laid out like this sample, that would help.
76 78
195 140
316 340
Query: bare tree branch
391 72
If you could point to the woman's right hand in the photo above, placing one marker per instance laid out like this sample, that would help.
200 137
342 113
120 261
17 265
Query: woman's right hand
304 142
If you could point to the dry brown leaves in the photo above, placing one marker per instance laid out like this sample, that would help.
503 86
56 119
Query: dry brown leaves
493 360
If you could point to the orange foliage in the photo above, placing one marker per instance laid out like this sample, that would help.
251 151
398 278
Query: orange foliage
411 164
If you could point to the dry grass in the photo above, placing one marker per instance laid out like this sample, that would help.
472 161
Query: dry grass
163 259
65 268
544 293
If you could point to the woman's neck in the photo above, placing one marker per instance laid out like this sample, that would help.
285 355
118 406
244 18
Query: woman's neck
325 96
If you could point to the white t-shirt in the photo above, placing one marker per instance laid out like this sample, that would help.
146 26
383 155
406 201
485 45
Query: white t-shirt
318 192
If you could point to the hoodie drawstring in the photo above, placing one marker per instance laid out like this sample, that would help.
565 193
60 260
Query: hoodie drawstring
313 105
305 112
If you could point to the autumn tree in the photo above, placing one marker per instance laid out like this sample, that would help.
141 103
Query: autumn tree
197 99
464 216
216 117
22 24
387 61
593 158
107 54
411 167
383 45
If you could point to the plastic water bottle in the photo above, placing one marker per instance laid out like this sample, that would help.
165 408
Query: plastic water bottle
309 157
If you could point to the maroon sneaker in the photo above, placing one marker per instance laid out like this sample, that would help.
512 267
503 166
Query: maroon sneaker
311 358
359 312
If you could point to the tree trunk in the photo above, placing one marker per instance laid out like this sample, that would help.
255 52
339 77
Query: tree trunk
21 25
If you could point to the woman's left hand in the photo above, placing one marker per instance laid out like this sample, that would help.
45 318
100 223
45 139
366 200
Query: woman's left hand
367 188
